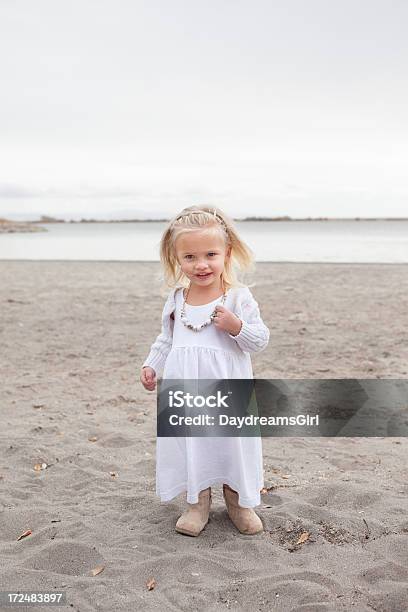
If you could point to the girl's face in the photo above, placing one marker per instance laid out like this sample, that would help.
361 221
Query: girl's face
202 255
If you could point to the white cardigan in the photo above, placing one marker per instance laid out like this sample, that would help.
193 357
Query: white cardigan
253 337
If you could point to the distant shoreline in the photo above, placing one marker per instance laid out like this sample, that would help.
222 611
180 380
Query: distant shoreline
45 219
12 227
19 227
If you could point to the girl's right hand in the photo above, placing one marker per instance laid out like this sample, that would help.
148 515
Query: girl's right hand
148 378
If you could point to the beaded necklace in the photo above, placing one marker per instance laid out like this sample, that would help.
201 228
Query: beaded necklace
198 328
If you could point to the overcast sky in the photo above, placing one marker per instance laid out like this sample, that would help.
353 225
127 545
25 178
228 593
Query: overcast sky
139 108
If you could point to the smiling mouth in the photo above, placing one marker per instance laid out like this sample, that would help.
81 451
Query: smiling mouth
204 275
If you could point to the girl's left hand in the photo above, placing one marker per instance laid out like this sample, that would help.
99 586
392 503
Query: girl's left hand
226 320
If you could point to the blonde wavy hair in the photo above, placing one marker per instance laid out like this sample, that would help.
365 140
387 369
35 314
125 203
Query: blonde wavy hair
195 218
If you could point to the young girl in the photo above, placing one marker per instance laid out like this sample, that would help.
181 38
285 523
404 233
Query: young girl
210 325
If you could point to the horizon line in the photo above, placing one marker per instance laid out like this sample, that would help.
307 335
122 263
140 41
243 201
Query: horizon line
253 218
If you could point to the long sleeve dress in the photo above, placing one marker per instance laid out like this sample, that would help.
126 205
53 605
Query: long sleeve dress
194 463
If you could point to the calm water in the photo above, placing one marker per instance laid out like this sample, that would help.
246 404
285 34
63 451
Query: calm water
297 241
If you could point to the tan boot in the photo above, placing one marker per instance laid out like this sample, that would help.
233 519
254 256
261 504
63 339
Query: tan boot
245 519
195 518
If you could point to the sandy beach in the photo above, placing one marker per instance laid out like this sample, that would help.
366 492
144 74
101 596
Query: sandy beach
73 337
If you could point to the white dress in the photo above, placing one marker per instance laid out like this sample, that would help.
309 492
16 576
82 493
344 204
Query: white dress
194 463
